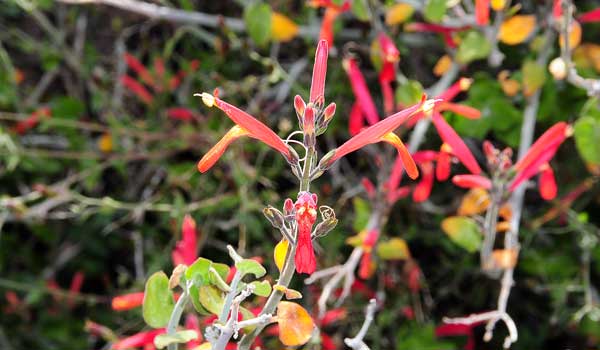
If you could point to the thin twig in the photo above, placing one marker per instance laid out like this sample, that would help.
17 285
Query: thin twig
357 343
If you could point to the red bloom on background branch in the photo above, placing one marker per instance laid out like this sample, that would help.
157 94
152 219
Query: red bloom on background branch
361 91
482 12
185 249
141 339
459 148
127 301
591 16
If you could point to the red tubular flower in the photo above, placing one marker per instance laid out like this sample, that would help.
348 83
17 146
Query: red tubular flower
356 121
185 250
139 69
368 186
246 125
423 188
482 12
591 16
75 287
399 193
446 330
472 181
382 131
557 9
459 148
462 84
306 215
138 340
386 77
444 159
547 185
361 91
366 267
317 87
138 89
551 139
329 17
465 111
127 301
30 122
396 175
180 113
192 323
534 167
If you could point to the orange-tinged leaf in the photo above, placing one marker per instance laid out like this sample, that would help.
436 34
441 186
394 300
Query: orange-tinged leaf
505 212
105 143
280 253
516 29
510 87
295 324
574 36
463 231
503 226
394 249
476 201
442 65
505 258
587 55
398 13
282 27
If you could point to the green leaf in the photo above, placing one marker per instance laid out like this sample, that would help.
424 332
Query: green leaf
198 271
394 249
409 93
474 46
258 22
67 108
360 10
211 299
158 300
222 269
217 281
435 10
180 337
262 288
463 231
195 296
534 76
587 134
361 214
247 266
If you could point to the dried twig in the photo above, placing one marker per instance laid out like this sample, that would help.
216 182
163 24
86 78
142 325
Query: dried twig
357 343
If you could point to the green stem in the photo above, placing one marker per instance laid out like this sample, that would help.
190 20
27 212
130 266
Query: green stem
290 265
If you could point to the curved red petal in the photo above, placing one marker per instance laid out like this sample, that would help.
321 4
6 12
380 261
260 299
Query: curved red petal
459 148
472 181
213 155
361 91
547 183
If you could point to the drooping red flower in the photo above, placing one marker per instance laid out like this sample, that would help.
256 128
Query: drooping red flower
463 110
382 131
472 181
445 31
365 269
547 183
590 16
137 340
444 160
181 113
355 120
368 186
306 215
332 11
185 249
32 120
138 89
246 125
459 148
361 91
556 9
541 152
482 12
139 69
127 301
390 56
422 190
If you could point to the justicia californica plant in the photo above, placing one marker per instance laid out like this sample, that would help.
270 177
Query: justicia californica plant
297 223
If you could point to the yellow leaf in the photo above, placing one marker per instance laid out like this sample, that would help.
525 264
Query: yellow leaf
105 143
516 29
498 5
357 240
398 13
280 253
505 258
295 324
282 28
442 65
505 212
574 36
474 202
203 346
290 294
